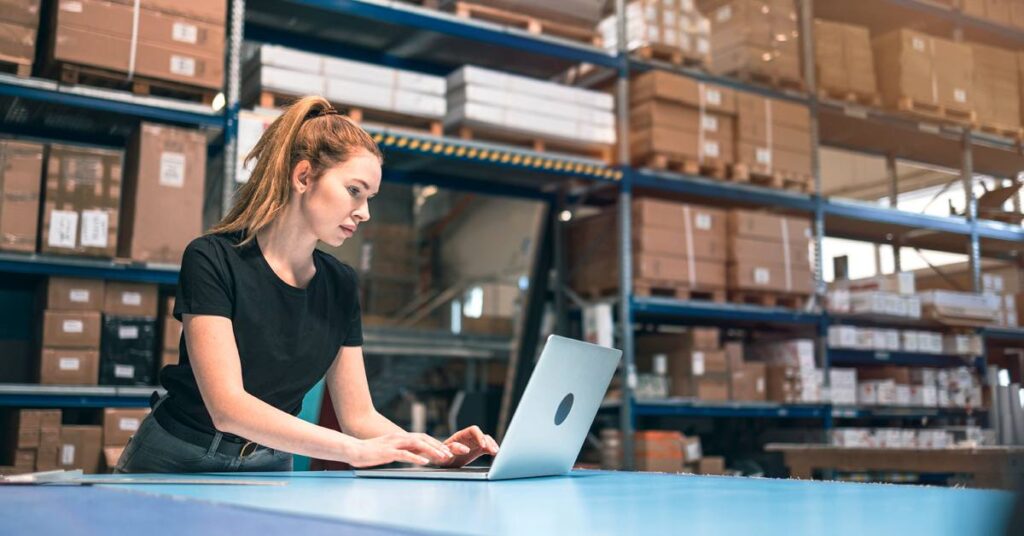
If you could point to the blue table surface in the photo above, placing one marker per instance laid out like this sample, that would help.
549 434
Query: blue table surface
584 502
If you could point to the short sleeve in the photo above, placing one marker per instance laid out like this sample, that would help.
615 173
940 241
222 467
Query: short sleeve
354 337
202 283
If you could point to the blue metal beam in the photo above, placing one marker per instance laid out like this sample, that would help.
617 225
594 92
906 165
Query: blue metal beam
1003 334
844 358
699 311
78 267
721 190
751 410
873 213
895 412
480 186
73 401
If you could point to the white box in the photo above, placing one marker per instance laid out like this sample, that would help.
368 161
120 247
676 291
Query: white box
842 336
419 104
358 93
286 81
913 307
499 97
924 396
903 395
521 121
980 307
289 59
470 74
910 341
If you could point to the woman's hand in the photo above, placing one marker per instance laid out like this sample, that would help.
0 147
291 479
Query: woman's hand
468 445
418 449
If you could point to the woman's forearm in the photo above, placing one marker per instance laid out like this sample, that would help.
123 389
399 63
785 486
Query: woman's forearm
370 425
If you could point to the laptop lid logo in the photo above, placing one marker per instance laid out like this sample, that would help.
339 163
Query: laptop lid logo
563 409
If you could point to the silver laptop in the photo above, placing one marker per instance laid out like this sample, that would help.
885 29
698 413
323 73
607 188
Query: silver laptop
549 426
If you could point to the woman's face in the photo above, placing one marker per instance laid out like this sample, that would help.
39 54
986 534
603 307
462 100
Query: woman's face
335 204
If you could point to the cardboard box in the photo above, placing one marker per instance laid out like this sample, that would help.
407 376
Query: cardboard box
17 42
844 60
214 11
756 224
711 465
120 424
130 299
21 172
668 87
674 130
80 448
128 351
996 86
20 12
74 294
82 201
925 69
21 427
184 51
71 329
745 37
748 382
163 193
67 366
900 375
780 277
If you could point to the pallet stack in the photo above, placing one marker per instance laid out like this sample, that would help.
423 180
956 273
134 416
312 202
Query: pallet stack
33 440
19 24
567 19
997 95
70 340
82 201
697 364
773 143
680 124
768 259
669 30
756 40
678 251
844 62
128 345
167 47
925 75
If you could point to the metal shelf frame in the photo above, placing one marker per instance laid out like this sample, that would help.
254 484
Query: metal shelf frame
61 396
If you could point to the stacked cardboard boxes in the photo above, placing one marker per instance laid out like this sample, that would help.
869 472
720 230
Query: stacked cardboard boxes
680 119
887 340
172 41
697 364
665 28
280 70
792 375
119 425
675 245
961 308
1004 12
916 69
172 329
997 93
519 106
128 344
71 332
19 23
163 193
919 387
81 447
756 37
582 13
33 437
82 201
21 172
747 379
663 451
844 61
773 136
769 253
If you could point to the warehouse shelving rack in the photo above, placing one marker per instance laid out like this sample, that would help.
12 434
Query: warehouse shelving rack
408 36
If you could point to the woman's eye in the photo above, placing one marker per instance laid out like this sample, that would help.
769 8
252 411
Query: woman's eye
354 192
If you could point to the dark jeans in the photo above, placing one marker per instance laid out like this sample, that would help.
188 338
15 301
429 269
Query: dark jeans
154 450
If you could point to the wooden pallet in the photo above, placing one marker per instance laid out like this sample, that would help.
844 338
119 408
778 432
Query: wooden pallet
673 55
21 67
533 142
776 81
760 175
659 288
852 97
709 167
69 73
936 111
270 99
1006 131
768 298
530 23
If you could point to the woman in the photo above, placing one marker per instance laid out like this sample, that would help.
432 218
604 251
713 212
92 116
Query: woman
266 315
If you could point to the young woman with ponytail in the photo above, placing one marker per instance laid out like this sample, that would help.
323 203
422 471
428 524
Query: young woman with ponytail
266 316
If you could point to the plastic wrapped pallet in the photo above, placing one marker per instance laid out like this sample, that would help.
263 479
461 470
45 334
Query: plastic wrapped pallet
664 27
756 37
917 69
961 308
843 60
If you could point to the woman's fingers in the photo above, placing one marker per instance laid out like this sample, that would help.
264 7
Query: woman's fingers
458 448
435 443
400 455
492 445
422 446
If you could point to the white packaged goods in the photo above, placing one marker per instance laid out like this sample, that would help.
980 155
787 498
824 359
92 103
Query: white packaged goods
867 393
471 75
843 377
843 395
934 439
365 94
924 376
962 344
286 58
852 437
523 121
884 303
877 392
838 301
899 283
903 397
949 304
798 353
286 81
842 336
924 396
503 98
673 24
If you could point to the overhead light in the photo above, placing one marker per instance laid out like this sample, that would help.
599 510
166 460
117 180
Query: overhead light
566 215
218 102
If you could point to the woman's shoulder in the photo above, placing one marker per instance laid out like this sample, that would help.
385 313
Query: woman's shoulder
336 268
213 242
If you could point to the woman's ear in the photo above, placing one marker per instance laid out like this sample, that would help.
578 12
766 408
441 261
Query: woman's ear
302 176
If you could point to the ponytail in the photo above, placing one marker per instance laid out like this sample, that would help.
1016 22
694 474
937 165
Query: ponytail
310 129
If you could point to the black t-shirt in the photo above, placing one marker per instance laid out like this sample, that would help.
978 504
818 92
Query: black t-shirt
287 337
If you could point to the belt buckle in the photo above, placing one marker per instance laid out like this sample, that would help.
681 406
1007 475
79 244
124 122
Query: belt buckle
243 454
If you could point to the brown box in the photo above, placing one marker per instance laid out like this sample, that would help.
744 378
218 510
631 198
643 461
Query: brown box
844 61
17 42
80 448
900 375
755 36
663 86
130 299
974 8
24 459
709 388
22 428
71 329
20 12
759 276
99 34
996 87
916 66
793 252
120 424
74 294
46 457
214 11
646 142
748 382
759 224
659 451
1017 14
82 201
68 366
21 178
172 334
711 465
998 11
163 192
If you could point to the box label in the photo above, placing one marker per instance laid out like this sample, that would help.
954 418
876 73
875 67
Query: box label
95 228
660 364
73 326
172 169
713 96
711 149
124 371
63 229
184 32
762 276
703 46
183 65
703 221
67 454
132 299
709 123
918 44
698 363
367 257
763 156
128 332
759 385
69 363
71 7
128 424
79 295
724 13
959 95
